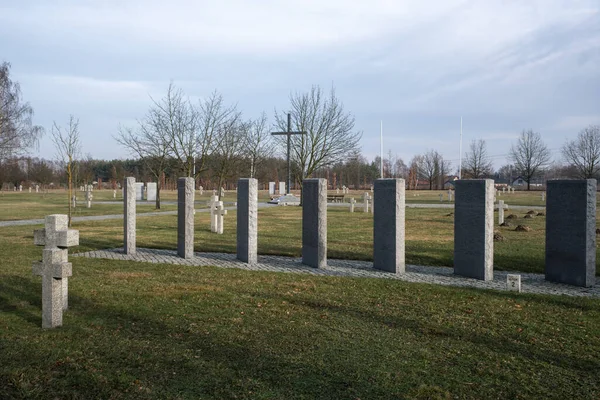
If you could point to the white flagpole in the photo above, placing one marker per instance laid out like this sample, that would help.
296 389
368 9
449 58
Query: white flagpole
381 150
460 152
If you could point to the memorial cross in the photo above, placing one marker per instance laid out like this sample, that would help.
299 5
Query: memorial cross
54 267
212 204
221 211
289 134
366 198
352 203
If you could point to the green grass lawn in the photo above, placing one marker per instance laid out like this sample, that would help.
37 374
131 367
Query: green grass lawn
138 330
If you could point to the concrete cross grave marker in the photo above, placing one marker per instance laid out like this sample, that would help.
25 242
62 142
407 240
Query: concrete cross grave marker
352 203
201 190
37 188
54 267
29 189
543 196
289 134
212 204
20 188
220 212
74 201
88 198
366 198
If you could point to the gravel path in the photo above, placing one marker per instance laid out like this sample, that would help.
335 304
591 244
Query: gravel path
530 283
110 216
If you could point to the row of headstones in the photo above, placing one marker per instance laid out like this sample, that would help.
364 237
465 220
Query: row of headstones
20 188
272 188
345 190
570 227
570 232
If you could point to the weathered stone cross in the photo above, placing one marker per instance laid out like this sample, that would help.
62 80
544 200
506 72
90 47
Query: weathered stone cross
221 212
352 203
289 134
212 204
54 267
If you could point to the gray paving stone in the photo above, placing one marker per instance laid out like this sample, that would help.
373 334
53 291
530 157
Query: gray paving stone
530 283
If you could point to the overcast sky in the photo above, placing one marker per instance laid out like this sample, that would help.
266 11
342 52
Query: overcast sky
504 66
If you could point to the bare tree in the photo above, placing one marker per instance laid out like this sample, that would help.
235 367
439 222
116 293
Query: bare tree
67 146
330 137
530 155
414 172
150 144
259 145
17 132
584 152
477 163
174 118
228 154
212 117
429 167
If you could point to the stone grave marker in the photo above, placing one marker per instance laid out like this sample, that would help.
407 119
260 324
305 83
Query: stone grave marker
129 221
500 212
88 198
543 196
247 221
474 229
139 191
282 188
366 198
352 203
271 188
201 190
29 189
37 188
151 191
185 217
212 204
220 213
54 267
388 225
571 232
114 193
441 197
513 282
20 188
222 192
314 222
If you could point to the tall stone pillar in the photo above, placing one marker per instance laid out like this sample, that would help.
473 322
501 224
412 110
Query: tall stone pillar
129 215
474 229
247 220
388 225
314 222
571 232
185 217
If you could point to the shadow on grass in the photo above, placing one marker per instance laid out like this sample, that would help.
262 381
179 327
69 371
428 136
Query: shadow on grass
223 366
511 347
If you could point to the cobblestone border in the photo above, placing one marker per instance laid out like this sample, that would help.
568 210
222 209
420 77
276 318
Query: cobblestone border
530 283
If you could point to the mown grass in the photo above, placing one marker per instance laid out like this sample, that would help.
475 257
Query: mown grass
138 330
24 205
